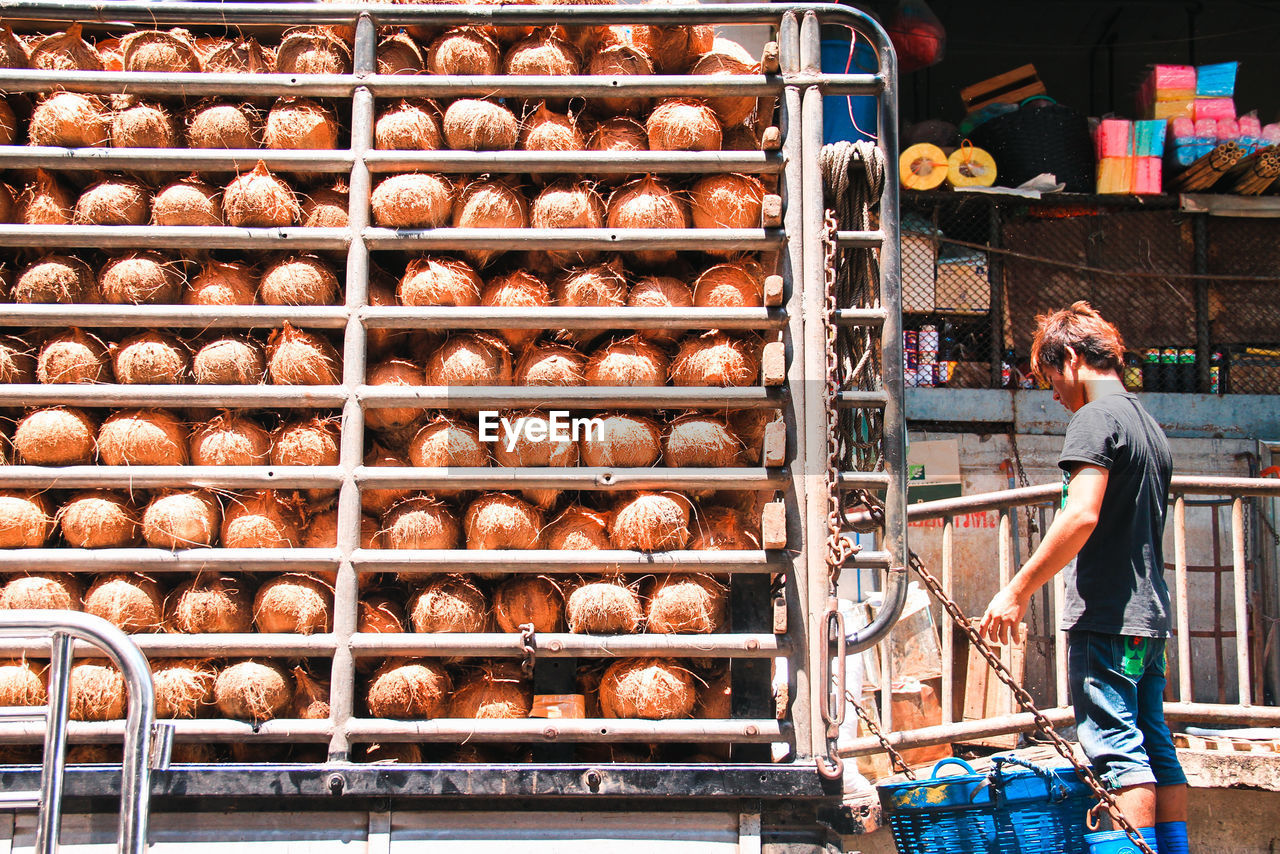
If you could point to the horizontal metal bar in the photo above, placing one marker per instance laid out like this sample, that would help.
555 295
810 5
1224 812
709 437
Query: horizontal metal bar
843 84
177 12
862 399
171 237
19 800
205 646
507 397
580 162
573 86
185 159
157 316
1205 485
560 645
862 480
859 317
690 13
508 317
954 732
204 729
611 240
859 239
609 730
161 560
177 84
24 713
584 477
223 396
871 560
1215 714
550 561
152 477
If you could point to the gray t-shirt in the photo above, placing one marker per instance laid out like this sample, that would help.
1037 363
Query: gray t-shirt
1117 583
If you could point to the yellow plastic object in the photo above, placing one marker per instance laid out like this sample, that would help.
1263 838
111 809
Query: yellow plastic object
970 167
922 167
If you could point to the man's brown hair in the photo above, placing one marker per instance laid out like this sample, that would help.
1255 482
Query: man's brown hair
1084 331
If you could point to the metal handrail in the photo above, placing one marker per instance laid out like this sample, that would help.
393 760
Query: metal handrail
135 788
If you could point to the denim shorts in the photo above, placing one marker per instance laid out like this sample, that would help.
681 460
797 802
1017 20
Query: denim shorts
1117 686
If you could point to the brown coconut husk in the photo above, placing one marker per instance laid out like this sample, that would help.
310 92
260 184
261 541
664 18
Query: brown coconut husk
69 119
293 603
486 696
726 201
500 521
310 696
8 124
45 201
242 56
56 436
464 51
143 437
94 754
222 283
130 601
659 292
265 519
189 202
683 124
647 688
550 365
141 278
478 125
322 533
54 591
721 529
438 281
73 356
409 689
394 372
96 691
25 521
184 688
16 362
598 286
749 426
578 529
421 522
253 690
312 50
489 204
150 358
380 614
733 285
543 54
412 200
13 53
731 111
698 440
399 54
523 452
300 124
618 134
327 207
620 60
379 501
529 599
158 51
408 125
568 204
182 518
192 753
623 440
22 684
741 138
99 519
647 202
516 289
230 440
299 280
449 604
311 441
143 126
297 357
65 52
547 130
445 443
716 359
232 360
223 126
210 604
673 47
651 521
603 607
715 696
115 201
630 363
259 199
55 279
682 603
470 359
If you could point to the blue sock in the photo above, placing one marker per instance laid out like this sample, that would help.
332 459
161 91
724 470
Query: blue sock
1172 836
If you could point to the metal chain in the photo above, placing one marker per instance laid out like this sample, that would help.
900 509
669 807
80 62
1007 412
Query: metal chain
1023 480
529 644
874 728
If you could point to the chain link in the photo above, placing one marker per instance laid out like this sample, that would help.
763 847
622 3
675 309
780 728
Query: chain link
1023 480
529 644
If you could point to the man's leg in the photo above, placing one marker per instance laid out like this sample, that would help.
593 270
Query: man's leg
1139 804
1171 782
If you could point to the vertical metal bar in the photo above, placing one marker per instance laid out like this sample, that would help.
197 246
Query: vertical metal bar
1006 575
55 745
1240 583
948 633
351 451
135 776
1182 598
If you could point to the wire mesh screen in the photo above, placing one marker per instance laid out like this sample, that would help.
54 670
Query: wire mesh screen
1192 294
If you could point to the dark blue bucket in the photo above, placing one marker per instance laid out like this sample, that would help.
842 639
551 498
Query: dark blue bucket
848 117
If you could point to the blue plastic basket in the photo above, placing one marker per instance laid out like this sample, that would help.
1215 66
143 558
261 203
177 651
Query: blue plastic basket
1030 810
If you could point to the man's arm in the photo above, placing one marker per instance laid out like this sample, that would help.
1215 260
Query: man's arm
1064 539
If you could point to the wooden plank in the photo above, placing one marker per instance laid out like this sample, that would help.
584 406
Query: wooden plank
1010 88
1014 97
985 696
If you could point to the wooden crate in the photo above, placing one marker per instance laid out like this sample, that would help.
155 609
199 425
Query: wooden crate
985 696
1011 87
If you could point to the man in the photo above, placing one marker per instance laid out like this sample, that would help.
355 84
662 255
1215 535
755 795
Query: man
1117 465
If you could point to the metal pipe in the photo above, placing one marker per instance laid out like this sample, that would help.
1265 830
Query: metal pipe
177 84
222 396
860 239
204 729
227 316
177 159
161 560
955 732
1007 569
1182 598
1240 587
948 631
507 317
862 480
584 162
570 478
171 236
55 743
559 645
578 397
205 646
153 477
550 561
859 316
603 239
574 86
594 730
862 399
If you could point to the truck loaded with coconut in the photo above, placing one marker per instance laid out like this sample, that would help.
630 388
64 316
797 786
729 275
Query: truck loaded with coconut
457 405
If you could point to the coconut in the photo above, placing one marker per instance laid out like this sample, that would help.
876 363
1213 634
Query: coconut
221 283
529 599
299 280
673 47
16 364
229 440
96 691
729 286
178 519
183 687
568 204
449 604
156 51
700 441
307 442
578 529
721 529
210 604
69 119
99 519
730 111
603 608
420 522
715 696
446 443
13 53
485 696
253 690
293 603
242 56
399 54
618 134
143 126
659 292
545 130
322 533
649 688
726 201
73 356
297 357
229 361
412 200
150 358
716 359
141 278
470 359
300 124
620 60
749 426
130 601
53 591
516 289
222 126
408 689
189 202
21 684
56 436
630 362
8 123
438 280
542 54
312 50
525 452
260 199
651 521
115 201
55 279
741 138
310 696
550 365
25 521
143 437
500 521
45 201
489 204
479 125
683 124
408 125
8 199
192 753
265 519
379 501
600 286
622 440
464 51
380 614
686 604
327 207
647 203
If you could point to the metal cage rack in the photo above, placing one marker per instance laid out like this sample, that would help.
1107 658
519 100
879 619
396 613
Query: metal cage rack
759 633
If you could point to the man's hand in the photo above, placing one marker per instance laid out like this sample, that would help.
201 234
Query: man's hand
1000 622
